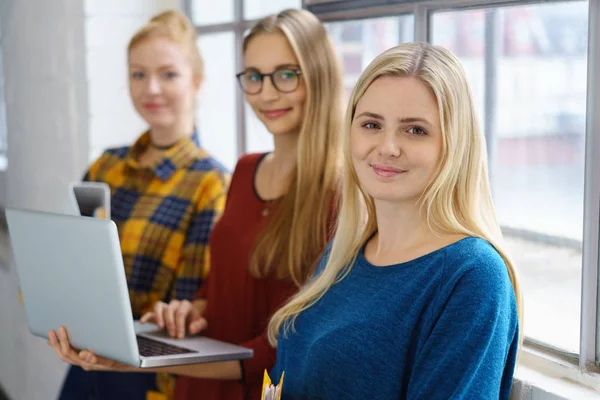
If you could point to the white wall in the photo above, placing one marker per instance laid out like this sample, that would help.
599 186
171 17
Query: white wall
46 107
66 95
3 189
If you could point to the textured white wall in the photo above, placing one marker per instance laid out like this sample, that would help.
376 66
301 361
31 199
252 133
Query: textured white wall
46 105
66 95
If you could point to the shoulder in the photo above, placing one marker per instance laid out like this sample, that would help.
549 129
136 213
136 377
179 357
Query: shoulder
113 154
323 259
117 152
473 255
475 269
245 168
107 160
205 162
249 162
211 178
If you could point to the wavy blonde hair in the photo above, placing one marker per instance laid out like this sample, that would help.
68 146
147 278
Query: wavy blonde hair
456 201
295 236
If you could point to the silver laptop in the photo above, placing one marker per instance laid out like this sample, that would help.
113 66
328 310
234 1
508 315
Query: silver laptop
71 274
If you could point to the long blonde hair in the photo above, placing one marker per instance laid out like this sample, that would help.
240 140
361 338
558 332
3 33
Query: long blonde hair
457 200
295 236
176 27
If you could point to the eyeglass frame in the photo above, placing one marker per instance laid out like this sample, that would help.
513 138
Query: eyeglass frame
294 69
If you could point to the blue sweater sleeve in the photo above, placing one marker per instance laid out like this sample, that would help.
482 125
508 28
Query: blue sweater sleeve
471 349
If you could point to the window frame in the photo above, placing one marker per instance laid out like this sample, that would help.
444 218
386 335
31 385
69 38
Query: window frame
3 120
238 26
587 360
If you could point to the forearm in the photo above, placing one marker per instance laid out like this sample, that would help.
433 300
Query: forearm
218 370
199 305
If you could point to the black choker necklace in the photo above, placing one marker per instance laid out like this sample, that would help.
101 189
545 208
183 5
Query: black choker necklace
163 147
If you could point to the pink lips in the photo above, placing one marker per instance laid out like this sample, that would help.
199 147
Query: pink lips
152 106
274 114
386 171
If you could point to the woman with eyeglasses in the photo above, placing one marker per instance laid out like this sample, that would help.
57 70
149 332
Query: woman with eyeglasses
279 211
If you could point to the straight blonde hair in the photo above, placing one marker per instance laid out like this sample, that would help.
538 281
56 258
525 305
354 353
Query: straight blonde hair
294 237
457 200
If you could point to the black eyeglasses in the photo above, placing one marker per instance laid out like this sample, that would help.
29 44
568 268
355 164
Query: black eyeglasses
284 79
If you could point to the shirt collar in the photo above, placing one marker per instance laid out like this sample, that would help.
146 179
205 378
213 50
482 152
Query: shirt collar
181 155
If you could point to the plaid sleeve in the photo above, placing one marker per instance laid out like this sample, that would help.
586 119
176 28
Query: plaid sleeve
195 257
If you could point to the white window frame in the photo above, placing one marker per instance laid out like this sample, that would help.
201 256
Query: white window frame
3 122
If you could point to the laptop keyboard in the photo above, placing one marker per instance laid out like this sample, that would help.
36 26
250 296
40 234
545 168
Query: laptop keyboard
153 348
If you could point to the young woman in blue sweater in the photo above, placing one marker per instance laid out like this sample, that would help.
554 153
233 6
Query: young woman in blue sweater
421 301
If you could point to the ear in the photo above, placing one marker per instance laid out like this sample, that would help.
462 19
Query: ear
198 81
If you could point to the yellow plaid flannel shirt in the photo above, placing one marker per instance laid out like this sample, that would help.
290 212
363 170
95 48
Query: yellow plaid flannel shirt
164 214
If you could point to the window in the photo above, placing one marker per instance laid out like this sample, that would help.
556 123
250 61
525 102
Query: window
359 42
206 12
530 62
254 9
216 105
527 63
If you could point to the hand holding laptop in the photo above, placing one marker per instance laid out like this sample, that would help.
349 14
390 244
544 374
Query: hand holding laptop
174 317
85 359
178 316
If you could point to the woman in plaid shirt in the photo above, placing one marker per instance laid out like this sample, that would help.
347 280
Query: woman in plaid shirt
167 192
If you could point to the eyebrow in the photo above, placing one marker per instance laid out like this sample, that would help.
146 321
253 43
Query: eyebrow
406 120
162 67
280 66
414 119
368 114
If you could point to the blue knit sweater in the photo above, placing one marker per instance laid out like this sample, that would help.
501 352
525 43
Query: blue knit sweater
442 326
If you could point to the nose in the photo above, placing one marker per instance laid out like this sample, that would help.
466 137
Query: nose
153 86
269 92
389 145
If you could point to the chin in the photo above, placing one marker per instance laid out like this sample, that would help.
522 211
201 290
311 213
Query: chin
392 196
159 122
283 126
281 129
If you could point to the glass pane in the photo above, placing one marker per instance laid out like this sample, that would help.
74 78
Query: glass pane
216 106
531 64
358 42
207 12
254 9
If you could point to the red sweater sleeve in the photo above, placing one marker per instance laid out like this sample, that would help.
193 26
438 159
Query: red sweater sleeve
201 293
264 354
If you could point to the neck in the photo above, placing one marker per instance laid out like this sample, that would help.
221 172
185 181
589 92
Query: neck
284 154
399 227
161 136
